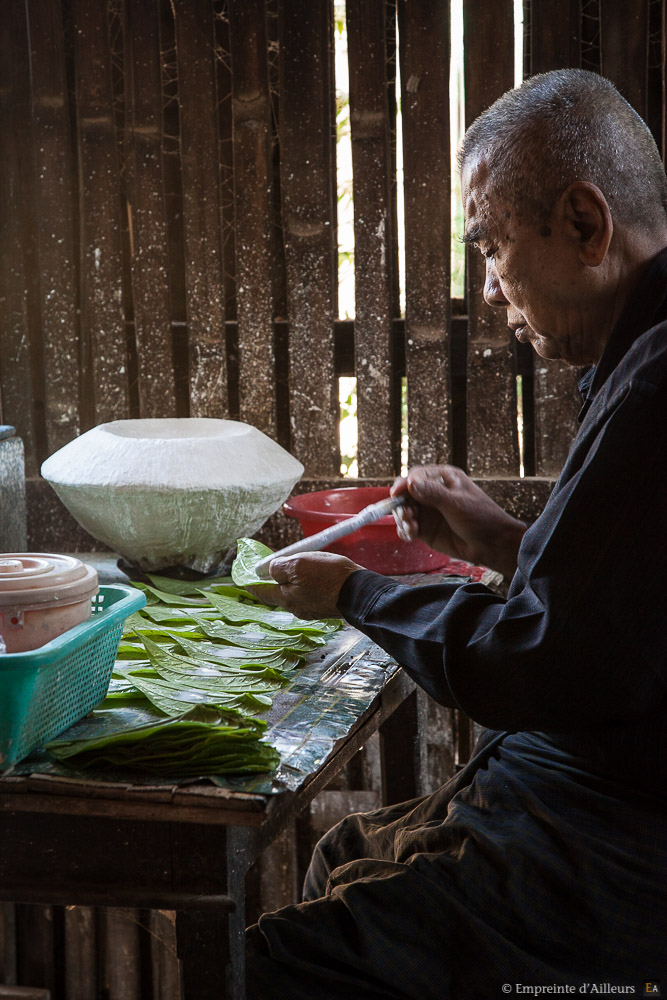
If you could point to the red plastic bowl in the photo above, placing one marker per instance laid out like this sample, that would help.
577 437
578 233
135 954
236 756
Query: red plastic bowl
377 546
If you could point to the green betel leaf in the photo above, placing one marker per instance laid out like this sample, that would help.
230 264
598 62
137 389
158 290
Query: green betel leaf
172 696
176 616
257 639
200 741
201 674
195 669
232 656
187 588
153 595
249 553
275 619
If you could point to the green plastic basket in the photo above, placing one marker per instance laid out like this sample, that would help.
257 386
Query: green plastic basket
44 691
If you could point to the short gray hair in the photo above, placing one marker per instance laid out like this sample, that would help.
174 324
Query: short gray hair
565 126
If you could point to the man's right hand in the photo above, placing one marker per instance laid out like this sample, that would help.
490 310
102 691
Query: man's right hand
453 515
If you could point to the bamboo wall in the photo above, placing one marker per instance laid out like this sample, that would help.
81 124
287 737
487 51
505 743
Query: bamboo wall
168 247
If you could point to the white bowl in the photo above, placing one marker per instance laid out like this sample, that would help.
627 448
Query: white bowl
172 492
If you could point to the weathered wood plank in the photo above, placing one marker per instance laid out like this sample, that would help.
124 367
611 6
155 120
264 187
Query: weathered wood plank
35 946
13 519
17 278
81 952
144 176
493 445
555 35
204 277
223 66
277 243
278 872
273 66
655 77
309 221
373 234
54 201
557 403
7 943
253 173
24 993
391 44
555 43
165 969
122 978
101 267
437 724
424 55
624 49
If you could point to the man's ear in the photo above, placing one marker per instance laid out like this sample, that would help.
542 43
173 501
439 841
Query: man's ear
587 218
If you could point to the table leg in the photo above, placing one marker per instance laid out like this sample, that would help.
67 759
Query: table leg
211 945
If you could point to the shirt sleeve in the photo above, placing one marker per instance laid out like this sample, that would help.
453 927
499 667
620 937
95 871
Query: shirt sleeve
582 636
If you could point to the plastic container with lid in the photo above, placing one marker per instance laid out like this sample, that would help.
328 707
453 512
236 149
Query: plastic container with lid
41 596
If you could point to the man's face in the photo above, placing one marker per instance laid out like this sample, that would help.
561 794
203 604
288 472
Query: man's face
533 271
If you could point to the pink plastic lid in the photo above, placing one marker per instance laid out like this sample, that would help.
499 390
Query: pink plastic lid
36 578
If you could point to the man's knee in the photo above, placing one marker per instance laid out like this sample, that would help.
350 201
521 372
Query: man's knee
341 844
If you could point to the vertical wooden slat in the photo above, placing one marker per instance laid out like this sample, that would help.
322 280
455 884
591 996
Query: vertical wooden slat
17 390
251 114
165 969
309 221
277 242
122 955
555 43
223 68
493 446
277 253
146 211
35 946
7 944
423 29
392 101
204 281
555 35
80 953
54 202
373 236
655 81
102 313
624 49
279 884
391 46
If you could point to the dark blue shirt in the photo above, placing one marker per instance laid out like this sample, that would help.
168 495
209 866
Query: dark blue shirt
572 668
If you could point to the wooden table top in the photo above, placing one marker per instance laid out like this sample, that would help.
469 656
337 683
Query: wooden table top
327 711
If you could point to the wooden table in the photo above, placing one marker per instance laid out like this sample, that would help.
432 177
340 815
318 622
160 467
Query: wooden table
76 841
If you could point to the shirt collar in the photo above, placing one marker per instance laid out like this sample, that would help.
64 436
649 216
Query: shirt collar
646 307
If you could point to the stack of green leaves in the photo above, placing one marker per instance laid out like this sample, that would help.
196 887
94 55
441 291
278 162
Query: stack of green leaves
196 672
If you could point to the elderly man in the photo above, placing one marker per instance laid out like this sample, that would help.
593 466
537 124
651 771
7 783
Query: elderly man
544 862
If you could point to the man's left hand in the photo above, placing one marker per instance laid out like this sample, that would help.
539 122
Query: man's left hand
309 584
